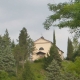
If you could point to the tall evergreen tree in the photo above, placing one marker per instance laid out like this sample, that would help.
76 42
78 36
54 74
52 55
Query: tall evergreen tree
53 54
7 38
23 37
7 61
53 71
26 45
69 50
54 39
54 50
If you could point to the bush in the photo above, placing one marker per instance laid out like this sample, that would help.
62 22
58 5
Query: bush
4 75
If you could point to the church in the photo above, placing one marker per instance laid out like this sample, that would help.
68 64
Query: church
42 48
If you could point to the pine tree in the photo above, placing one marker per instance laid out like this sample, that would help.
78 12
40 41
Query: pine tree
69 50
6 38
7 61
53 71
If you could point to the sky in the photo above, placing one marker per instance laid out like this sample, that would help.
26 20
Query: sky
31 14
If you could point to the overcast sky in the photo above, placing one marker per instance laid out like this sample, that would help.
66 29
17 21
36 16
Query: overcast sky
16 14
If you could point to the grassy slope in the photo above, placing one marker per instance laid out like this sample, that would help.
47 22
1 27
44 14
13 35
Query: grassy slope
38 71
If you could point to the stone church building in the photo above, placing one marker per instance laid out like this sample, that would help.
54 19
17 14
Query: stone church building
42 48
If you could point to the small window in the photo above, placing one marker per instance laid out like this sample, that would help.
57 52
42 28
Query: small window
41 48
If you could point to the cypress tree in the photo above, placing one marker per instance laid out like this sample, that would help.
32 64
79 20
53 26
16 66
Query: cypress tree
54 54
54 39
69 50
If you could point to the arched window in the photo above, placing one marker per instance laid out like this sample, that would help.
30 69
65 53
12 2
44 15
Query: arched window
41 48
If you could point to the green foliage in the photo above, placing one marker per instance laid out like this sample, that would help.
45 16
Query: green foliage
6 38
34 71
72 67
54 39
26 43
24 48
38 71
27 73
77 64
77 52
75 44
17 53
68 66
4 75
69 76
23 36
53 71
69 50
13 44
47 60
53 55
68 15
7 61
69 11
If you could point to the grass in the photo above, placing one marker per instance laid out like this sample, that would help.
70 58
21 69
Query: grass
38 70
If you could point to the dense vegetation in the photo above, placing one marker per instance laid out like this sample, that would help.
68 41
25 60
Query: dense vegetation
15 61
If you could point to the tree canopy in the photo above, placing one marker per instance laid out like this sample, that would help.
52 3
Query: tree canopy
67 14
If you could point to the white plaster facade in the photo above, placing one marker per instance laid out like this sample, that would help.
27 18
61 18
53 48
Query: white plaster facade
43 46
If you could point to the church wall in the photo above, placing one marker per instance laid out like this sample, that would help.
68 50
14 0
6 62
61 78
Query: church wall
46 45
46 49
